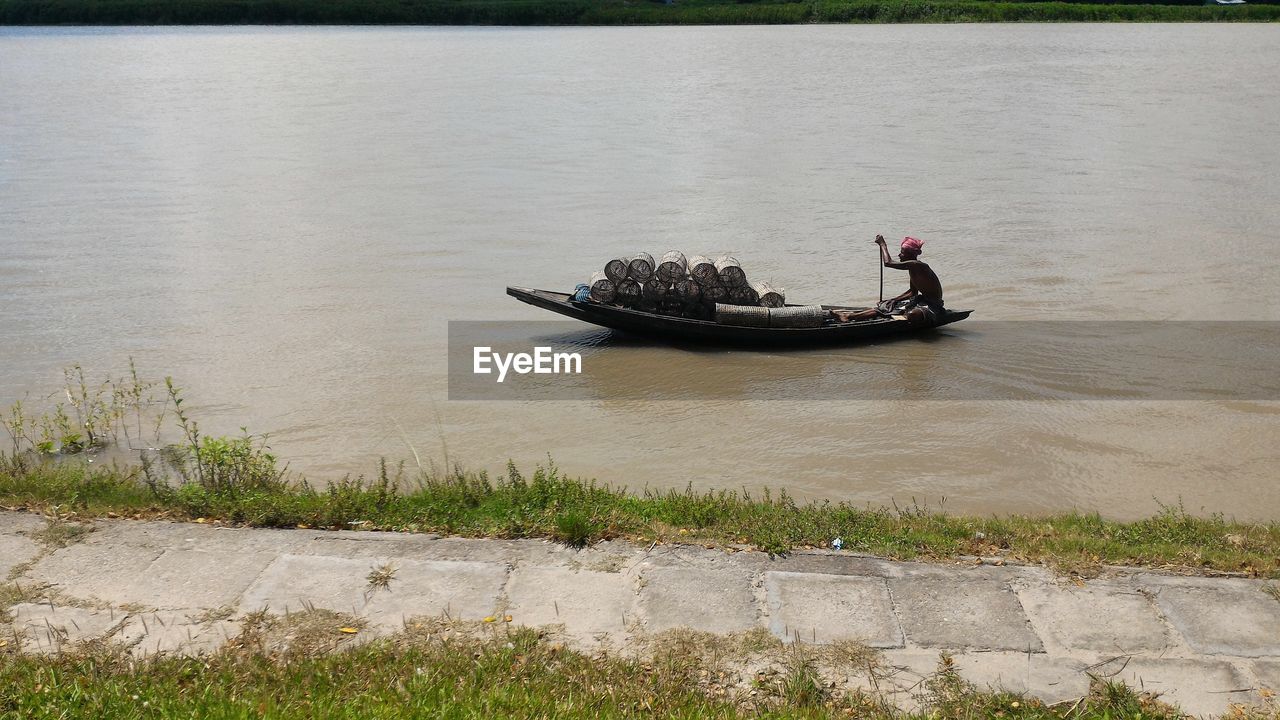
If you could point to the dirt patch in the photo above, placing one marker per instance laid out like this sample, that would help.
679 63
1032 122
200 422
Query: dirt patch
59 532
307 634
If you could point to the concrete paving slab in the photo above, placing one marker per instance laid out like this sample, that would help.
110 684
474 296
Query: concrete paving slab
292 583
14 551
616 589
246 540
187 639
20 523
188 578
47 629
160 633
719 601
208 637
902 680
585 602
1161 580
824 608
1097 618
93 569
154 534
973 572
834 563
364 544
374 545
461 589
1245 622
1199 687
1033 674
199 536
950 613
1268 672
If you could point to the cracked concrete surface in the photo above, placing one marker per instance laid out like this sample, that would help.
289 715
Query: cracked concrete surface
161 587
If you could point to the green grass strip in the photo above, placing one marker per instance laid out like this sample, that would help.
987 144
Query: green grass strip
551 505
506 673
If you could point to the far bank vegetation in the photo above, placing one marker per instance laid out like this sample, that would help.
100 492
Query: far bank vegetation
608 12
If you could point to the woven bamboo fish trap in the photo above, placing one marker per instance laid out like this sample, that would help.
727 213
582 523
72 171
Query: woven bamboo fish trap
730 271
673 267
655 290
602 288
744 315
641 267
703 270
616 270
700 311
629 292
800 316
671 305
743 295
715 294
769 295
687 291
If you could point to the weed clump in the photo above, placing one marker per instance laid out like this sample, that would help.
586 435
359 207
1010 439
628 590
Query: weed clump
222 464
92 416
573 529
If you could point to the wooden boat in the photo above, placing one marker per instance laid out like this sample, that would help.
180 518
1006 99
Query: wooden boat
667 327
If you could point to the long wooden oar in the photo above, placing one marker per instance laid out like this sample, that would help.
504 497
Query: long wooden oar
880 261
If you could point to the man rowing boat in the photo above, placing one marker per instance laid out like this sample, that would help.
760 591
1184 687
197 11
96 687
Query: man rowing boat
921 303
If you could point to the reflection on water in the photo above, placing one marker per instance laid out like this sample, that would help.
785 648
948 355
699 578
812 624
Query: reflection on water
1010 360
285 219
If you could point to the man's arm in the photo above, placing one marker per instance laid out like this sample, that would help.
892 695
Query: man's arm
888 261
902 265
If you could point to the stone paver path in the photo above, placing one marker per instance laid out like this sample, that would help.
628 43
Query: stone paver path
171 587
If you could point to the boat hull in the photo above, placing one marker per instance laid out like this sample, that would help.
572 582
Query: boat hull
670 328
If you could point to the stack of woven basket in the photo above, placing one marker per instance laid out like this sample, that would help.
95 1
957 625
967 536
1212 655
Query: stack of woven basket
677 285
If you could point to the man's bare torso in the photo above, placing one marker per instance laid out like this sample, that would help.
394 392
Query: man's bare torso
924 280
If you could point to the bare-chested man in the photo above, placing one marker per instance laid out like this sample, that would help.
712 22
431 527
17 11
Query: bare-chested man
921 303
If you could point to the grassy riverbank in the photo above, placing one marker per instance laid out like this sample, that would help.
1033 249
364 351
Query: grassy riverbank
50 468
444 670
550 505
605 12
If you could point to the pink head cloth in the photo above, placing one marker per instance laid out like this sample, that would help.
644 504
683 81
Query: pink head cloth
912 244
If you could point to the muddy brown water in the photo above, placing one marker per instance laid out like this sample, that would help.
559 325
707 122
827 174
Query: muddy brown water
285 219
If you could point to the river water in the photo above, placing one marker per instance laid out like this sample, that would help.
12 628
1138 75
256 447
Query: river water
286 219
